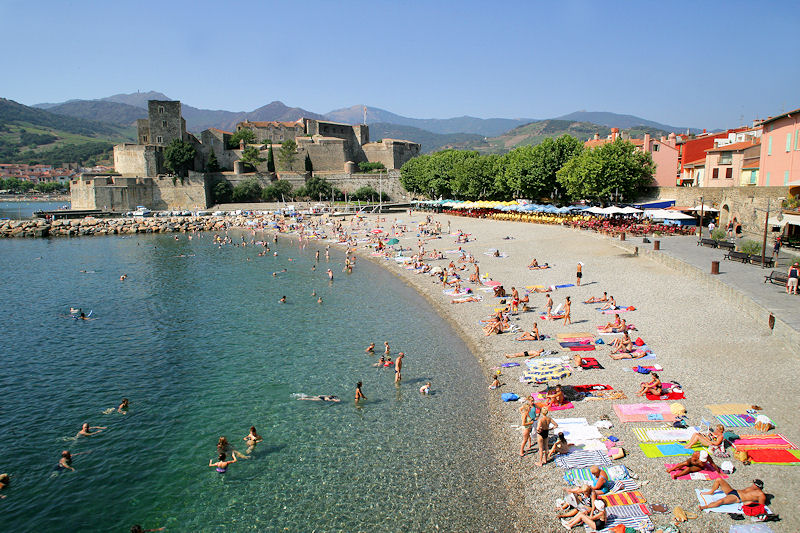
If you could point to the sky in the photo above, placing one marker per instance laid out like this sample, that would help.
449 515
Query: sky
692 63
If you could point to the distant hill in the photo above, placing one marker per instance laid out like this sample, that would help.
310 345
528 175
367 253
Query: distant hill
430 141
614 120
106 111
486 127
136 99
31 135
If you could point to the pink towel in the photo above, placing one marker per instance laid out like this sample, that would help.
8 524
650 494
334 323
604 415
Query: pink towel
709 474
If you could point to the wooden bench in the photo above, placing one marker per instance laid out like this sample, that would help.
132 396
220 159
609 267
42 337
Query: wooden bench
725 245
776 276
711 243
755 259
737 256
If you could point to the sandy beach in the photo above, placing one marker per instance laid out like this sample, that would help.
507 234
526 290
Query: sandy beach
718 356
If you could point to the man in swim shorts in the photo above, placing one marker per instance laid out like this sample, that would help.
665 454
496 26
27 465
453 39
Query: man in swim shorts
398 366
752 494
696 462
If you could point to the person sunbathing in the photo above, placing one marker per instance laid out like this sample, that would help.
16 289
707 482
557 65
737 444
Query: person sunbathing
610 304
595 518
524 353
583 496
561 446
611 326
499 291
713 440
553 398
696 462
595 299
636 354
602 485
494 327
622 344
752 494
651 387
465 300
533 264
527 336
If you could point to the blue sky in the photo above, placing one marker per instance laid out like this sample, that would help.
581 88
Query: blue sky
699 64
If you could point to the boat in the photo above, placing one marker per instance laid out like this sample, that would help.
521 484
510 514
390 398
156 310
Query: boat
142 211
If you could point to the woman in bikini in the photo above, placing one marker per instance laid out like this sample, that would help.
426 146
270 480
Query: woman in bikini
596 299
561 446
651 387
527 424
713 440
252 439
611 326
610 304
543 427
221 465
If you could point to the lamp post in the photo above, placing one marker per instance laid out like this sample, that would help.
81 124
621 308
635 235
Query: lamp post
766 226
702 210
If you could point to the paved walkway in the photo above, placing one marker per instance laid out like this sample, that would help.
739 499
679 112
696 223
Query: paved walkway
746 278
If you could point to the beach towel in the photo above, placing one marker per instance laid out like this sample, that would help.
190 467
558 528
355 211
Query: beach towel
669 434
553 317
509 365
579 335
728 408
639 412
466 300
755 442
623 498
758 527
591 388
576 432
638 523
571 343
703 475
540 398
774 456
582 458
736 421
653 450
615 311
453 292
631 511
668 395
502 255
705 499
657 368
590 363
565 286
581 348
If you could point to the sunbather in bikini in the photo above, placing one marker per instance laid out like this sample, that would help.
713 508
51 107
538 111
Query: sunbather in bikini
713 440
527 336
610 304
697 462
622 345
612 326
651 387
524 354
465 300
632 355
595 299
499 291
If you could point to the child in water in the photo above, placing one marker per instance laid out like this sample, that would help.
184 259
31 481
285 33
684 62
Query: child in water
425 389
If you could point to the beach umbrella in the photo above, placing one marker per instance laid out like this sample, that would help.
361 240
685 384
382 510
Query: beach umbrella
628 210
392 241
703 207
377 231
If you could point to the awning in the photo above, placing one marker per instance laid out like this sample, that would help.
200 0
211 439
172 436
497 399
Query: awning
704 207
794 220
663 214
628 210
657 204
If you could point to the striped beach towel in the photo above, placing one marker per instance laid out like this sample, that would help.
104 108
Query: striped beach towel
757 442
624 485
583 458
639 523
736 421
624 498
642 433
631 511
580 476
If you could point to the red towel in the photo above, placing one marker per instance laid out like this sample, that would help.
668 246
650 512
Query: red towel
772 456
667 396
581 348
588 363
589 388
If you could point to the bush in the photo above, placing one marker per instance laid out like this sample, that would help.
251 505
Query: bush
718 234
276 191
245 134
751 247
247 191
367 194
366 166
221 192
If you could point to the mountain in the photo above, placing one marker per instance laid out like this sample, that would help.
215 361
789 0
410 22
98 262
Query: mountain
614 120
31 135
430 141
106 111
486 127
136 99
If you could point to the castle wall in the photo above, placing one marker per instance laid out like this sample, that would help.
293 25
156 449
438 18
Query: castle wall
392 153
123 194
388 182
137 159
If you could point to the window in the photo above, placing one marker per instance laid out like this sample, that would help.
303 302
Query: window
797 140
786 177
144 138
161 110
655 147
715 174
159 139
788 142
163 123
725 158
769 145
729 173
753 177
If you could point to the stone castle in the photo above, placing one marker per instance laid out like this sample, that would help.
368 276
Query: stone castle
141 177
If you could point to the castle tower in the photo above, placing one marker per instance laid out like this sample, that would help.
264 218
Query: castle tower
165 122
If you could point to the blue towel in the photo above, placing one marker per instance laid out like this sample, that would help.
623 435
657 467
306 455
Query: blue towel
509 397
599 341
655 416
673 449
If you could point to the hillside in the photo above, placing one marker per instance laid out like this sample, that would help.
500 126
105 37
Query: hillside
430 142
615 120
111 112
30 135
487 127
535 132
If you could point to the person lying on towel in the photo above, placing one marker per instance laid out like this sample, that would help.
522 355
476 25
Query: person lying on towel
713 440
610 304
697 462
595 299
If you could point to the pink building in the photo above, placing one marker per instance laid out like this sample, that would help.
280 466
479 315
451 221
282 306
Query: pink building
780 156
665 155
723 166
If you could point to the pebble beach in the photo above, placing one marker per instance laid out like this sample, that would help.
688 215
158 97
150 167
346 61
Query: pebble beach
717 354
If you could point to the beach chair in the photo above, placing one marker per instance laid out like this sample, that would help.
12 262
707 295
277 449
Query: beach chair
705 426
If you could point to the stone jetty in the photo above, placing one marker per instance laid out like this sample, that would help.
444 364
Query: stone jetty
117 226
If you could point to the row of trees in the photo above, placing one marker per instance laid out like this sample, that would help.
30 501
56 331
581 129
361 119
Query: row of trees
556 169
22 186
315 188
287 153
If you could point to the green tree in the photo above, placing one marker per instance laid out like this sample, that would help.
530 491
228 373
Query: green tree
178 156
316 188
287 153
369 166
474 177
270 160
245 134
212 165
530 171
222 192
414 174
248 190
613 168
308 165
277 191
252 156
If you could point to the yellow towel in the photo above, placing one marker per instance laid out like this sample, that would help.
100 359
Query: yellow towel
729 408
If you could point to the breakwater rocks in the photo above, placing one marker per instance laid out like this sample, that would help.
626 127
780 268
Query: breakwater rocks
118 226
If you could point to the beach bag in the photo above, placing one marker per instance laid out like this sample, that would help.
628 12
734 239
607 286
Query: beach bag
631 308
677 409
741 455
509 397
753 509
638 341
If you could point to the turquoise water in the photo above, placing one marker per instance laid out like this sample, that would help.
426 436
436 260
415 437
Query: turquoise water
21 210
202 347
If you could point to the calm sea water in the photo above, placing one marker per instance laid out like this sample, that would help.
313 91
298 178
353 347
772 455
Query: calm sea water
21 210
202 347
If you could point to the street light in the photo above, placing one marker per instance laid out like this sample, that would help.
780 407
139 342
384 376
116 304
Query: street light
766 226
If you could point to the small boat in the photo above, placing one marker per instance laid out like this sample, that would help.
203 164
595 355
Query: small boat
142 211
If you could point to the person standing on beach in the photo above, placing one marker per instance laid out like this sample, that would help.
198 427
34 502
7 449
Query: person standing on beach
359 394
398 366
526 423
579 274
567 307
794 274
549 306
543 428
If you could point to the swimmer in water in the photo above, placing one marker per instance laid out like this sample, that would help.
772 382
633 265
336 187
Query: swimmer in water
86 430
425 389
5 480
223 446
370 348
330 274
252 439
359 394
321 398
75 311
123 407
221 465
283 299
125 276
319 300
65 462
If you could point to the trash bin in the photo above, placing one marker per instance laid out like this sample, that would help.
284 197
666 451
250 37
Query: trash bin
656 245
715 267
622 236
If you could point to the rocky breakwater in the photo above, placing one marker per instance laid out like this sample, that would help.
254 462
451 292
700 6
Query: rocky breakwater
117 226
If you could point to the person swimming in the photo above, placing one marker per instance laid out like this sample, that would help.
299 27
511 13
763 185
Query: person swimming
222 465
86 430
65 462
123 407
252 439
321 398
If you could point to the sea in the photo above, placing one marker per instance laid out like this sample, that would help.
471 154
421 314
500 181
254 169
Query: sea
197 340
22 210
